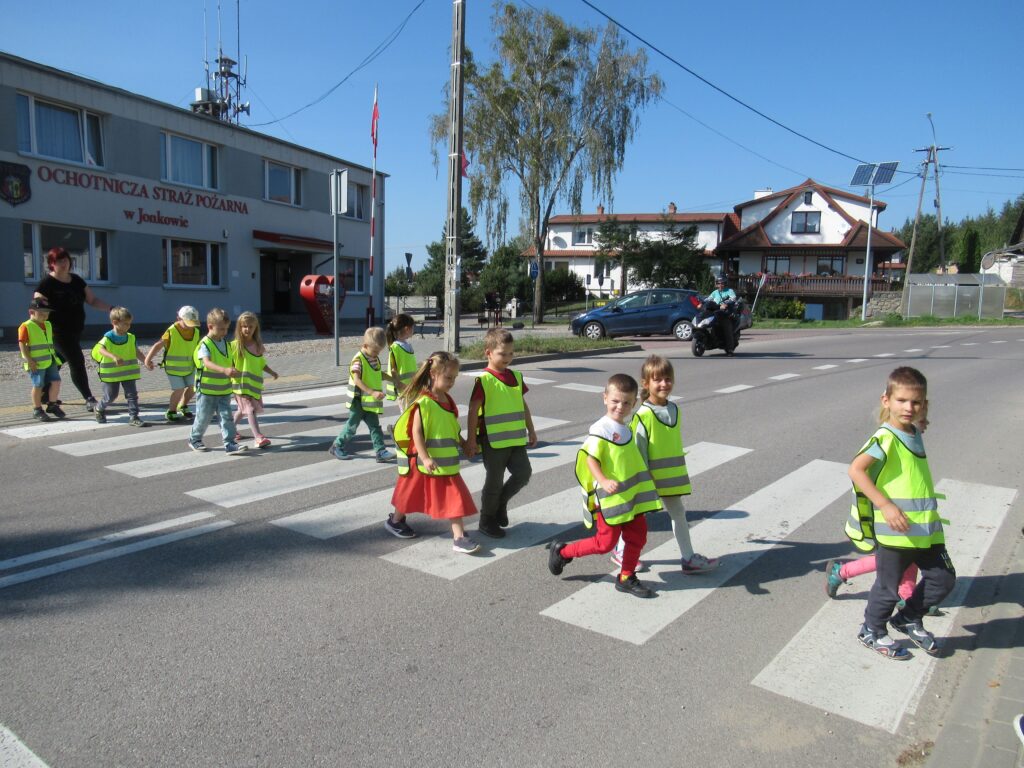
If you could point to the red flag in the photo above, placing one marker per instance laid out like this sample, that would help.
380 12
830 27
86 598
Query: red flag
373 120
465 164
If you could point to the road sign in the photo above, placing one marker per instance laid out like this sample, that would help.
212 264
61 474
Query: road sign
534 270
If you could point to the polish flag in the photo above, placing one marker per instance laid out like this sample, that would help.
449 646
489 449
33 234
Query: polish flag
373 121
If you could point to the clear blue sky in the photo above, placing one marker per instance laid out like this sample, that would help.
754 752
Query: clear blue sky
858 77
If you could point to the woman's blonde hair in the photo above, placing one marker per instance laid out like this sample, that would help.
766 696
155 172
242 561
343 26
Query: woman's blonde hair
250 318
396 324
655 366
908 377
435 365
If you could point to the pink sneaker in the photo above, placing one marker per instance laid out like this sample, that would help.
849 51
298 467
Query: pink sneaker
699 564
262 442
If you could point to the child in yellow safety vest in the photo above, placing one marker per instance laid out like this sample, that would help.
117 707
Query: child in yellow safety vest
118 358
214 371
247 354
179 342
499 415
402 364
428 433
895 512
365 398
35 342
617 487
657 429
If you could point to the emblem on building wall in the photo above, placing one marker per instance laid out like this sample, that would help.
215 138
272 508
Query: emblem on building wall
14 183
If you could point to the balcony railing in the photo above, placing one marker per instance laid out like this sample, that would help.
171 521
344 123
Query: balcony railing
812 285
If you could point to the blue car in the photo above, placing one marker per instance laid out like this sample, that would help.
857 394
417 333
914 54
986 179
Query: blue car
651 311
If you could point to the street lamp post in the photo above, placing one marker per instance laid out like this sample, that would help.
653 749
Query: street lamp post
868 175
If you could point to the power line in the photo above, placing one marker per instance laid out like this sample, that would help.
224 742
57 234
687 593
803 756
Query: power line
381 47
982 168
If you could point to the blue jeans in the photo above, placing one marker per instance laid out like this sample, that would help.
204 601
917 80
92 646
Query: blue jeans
205 407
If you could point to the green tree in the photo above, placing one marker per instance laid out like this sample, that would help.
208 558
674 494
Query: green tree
670 260
506 274
969 260
558 107
561 285
396 283
430 279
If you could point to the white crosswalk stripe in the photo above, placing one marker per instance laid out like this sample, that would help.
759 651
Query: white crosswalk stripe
734 388
580 387
534 522
771 514
824 666
825 367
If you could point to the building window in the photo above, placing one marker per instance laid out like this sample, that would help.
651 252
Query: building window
353 273
282 183
583 237
88 249
808 197
63 133
356 201
806 222
777 265
830 266
191 263
185 161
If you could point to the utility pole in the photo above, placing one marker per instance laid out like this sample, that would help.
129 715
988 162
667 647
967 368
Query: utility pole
904 305
938 195
453 237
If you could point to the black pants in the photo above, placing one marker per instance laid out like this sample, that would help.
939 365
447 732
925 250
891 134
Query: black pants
69 347
497 491
937 579
724 328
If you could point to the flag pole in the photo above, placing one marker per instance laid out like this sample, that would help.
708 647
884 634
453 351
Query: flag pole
373 202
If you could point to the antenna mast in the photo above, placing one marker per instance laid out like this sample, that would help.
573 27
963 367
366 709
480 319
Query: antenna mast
224 100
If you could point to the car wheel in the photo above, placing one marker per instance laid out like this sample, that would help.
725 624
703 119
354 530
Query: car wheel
698 347
683 330
593 330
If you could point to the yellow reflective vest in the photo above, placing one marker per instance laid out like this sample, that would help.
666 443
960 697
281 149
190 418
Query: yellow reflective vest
666 457
178 354
40 344
111 371
907 480
504 411
209 381
372 378
251 366
624 464
441 434
403 369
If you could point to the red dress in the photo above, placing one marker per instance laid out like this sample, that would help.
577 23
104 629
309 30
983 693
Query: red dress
441 496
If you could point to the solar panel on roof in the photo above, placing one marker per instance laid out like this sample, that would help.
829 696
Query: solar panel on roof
862 176
885 173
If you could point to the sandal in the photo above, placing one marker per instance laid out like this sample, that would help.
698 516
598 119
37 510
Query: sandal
883 644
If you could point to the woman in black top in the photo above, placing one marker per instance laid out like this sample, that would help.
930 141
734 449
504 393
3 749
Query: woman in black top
67 295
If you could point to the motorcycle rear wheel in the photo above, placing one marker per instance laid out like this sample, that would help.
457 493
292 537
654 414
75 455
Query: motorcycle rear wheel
697 347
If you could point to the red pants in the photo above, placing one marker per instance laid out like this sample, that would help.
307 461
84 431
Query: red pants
634 534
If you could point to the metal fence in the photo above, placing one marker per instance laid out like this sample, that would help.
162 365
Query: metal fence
948 297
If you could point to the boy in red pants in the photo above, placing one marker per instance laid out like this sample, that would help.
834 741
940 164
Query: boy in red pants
618 488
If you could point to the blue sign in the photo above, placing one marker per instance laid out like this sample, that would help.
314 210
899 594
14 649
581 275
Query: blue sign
534 270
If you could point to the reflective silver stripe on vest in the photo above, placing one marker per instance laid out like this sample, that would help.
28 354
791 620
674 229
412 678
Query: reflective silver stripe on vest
625 506
178 359
213 377
625 485
505 418
669 462
916 529
668 483
442 442
916 505
444 461
247 376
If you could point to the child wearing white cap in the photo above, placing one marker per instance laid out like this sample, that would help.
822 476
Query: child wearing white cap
180 342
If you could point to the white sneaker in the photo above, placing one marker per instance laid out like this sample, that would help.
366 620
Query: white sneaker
617 559
700 564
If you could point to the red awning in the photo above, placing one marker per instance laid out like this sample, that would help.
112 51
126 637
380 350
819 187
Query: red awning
298 241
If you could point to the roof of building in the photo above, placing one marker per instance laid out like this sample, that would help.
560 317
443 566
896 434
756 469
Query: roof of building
639 218
17 60
826 192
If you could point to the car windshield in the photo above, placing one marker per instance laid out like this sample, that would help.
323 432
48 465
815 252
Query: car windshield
632 301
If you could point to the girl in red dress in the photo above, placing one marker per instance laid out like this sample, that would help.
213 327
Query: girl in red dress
429 433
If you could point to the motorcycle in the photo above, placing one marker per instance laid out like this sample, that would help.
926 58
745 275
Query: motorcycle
708 326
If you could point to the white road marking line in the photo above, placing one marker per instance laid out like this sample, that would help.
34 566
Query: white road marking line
532 523
352 514
884 354
823 662
784 376
857 360
940 346
69 426
772 513
675 398
534 381
825 367
998 341
14 754
734 388
580 387
78 546
968 343
176 432
301 395
110 554
914 349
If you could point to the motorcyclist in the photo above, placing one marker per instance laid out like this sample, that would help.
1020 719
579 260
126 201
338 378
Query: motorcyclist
723 317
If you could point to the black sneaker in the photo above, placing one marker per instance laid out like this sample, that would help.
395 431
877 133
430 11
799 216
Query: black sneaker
632 586
503 517
488 528
40 415
56 410
556 561
918 635
400 528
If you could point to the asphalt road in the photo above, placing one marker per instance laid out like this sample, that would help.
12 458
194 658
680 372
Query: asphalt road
263 617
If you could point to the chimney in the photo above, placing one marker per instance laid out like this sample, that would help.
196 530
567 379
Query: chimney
671 207
759 193
600 210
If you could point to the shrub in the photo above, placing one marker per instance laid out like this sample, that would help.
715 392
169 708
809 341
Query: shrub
784 309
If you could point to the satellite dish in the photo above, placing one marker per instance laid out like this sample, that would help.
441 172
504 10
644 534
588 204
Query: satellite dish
988 260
